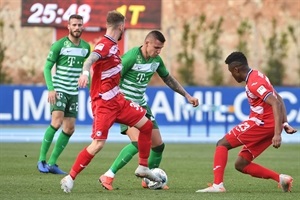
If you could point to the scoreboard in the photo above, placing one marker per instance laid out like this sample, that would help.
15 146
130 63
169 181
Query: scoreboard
140 14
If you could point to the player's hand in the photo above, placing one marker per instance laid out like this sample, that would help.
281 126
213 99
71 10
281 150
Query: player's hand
276 141
83 81
192 100
289 130
52 97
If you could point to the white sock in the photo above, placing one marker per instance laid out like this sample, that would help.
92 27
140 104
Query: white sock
110 173
218 185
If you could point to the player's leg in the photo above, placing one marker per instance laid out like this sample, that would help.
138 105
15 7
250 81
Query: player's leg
56 121
122 159
228 142
156 150
61 143
84 157
70 115
134 115
253 149
105 117
128 151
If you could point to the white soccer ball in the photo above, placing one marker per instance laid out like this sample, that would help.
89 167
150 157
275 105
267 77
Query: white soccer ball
157 185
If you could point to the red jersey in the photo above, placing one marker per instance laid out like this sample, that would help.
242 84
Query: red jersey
258 88
107 70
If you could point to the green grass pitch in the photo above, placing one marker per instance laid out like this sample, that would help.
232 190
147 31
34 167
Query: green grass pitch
188 166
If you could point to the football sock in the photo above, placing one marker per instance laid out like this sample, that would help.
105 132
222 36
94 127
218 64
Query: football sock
124 157
220 161
46 143
60 145
156 156
82 160
259 171
144 143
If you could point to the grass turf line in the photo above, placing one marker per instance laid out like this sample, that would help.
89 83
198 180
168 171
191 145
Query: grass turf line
188 166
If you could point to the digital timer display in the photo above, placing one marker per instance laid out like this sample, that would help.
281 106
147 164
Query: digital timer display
138 13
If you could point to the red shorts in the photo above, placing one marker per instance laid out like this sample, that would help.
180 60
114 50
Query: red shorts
117 109
254 138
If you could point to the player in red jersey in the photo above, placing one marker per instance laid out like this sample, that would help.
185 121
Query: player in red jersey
263 128
108 104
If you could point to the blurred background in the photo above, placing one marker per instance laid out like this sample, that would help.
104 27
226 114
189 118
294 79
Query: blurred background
200 34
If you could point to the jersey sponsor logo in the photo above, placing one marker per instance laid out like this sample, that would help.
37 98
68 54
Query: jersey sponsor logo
99 47
71 61
261 90
255 83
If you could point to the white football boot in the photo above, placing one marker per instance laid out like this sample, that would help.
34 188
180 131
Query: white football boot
285 182
213 188
145 172
67 184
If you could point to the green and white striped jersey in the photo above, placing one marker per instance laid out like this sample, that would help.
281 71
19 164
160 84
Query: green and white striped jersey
137 73
69 60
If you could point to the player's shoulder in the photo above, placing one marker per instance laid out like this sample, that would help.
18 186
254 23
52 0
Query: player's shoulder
85 43
104 44
64 41
134 50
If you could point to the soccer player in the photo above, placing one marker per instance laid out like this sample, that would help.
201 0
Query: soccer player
139 65
109 104
68 54
263 128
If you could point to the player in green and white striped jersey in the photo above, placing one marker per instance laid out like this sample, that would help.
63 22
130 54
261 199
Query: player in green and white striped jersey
68 54
139 65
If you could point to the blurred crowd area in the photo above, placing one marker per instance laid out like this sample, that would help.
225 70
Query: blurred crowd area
26 48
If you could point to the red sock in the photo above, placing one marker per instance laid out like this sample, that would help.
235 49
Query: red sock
82 160
144 143
220 161
259 171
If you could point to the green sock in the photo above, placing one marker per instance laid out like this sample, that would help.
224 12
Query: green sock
156 156
60 145
46 143
124 156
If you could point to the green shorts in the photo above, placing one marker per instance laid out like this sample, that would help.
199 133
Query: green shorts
66 103
149 115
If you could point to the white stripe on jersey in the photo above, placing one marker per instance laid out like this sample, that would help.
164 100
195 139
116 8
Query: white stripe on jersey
72 51
148 67
111 72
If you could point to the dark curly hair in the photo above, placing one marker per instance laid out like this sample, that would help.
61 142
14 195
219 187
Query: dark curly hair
238 58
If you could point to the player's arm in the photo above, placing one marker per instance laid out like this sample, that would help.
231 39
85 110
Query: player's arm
177 87
51 60
277 113
47 75
84 77
288 129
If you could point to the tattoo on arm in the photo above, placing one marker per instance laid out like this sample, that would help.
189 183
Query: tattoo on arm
89 61
174 85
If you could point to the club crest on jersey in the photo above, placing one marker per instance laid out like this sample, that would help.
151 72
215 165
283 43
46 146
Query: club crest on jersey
67 44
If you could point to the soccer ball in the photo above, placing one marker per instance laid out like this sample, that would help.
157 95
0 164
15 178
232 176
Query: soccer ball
157 185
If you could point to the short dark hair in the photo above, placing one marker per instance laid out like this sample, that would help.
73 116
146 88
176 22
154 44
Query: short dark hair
75 16
237 57
157 35
114 18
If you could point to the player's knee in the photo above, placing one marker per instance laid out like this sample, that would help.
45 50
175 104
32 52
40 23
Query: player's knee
241 162
159 148
69 131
